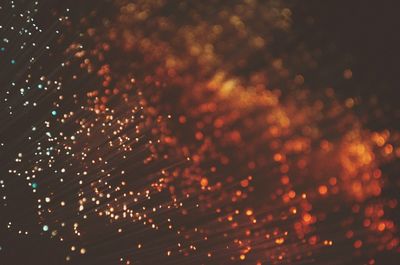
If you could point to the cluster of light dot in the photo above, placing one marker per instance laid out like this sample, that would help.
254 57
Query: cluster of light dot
230 168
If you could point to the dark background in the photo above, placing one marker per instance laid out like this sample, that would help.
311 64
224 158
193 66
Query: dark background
362 35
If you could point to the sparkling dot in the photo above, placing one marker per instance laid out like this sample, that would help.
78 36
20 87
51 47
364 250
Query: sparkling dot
45 228
34 185
12 61
54 113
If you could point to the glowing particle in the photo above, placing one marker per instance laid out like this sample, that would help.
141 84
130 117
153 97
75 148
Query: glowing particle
244 183
307 218
204 182
323 189
45 228
357 244
279 241
381 226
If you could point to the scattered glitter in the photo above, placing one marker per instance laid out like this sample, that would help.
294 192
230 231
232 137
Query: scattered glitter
189 136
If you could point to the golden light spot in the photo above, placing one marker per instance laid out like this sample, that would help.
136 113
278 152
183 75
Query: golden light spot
279 241
204 182
381 226
307 218
323 189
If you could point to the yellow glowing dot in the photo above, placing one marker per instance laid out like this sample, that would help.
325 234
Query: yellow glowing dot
307 218
323 189
204 182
